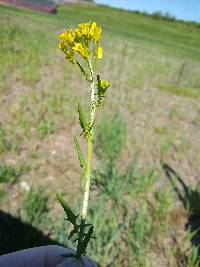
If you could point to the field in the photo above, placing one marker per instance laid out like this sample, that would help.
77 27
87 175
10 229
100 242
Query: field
147 149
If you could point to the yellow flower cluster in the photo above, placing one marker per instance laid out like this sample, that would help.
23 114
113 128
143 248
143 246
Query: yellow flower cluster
84 40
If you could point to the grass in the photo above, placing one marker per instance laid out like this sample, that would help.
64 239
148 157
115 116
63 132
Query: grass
151 64
10 174
34 207
125 236
182 91
110 143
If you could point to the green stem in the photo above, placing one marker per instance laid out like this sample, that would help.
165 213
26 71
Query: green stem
90 139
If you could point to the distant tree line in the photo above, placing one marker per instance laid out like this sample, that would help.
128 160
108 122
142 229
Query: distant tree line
168 17
159 15
164 16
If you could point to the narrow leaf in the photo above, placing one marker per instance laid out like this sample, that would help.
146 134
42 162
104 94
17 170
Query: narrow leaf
98 81
87 238
81 117
82 69
70 215
75 240
71 234
79 152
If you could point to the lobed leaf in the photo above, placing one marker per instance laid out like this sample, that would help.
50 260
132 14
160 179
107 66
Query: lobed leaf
87 238
71 217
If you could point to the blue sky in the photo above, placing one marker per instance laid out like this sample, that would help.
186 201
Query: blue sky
181 9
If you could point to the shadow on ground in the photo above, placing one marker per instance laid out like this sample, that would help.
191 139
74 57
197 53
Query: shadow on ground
16 235
190 199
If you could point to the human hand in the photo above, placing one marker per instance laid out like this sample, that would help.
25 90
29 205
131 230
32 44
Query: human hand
46 256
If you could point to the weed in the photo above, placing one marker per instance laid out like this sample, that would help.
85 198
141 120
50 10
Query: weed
197 117
108 229
111 138
111 141
10 174
86 38
59 232
161 130
166 146
44 127
34 206
124 240
193 257
173 113
187 254
182 91
2 192
183 145
140 230
24 124
4 143
193 200
163 204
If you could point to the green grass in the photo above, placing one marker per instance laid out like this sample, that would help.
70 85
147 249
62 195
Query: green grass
10 174
126 235
29 47
182 91
137 27
34 207
110 143
150 64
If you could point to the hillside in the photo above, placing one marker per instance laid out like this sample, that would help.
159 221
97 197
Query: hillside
153 66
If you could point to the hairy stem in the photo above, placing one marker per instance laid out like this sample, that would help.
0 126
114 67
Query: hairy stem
90 139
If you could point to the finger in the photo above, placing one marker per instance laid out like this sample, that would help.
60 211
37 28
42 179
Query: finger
53 255
47 256
72 262
87 262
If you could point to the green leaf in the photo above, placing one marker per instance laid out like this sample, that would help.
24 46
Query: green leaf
87 238
75 240
79 152
98 81
102 86
71 217
82 69
73 232
81 118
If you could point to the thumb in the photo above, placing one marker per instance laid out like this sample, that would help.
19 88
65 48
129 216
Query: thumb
72 262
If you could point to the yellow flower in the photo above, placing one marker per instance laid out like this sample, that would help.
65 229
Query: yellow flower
69 54
99 52
81 50
67 37
85 28
90 31
62 46
78 33
84 40
95 32
93 25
